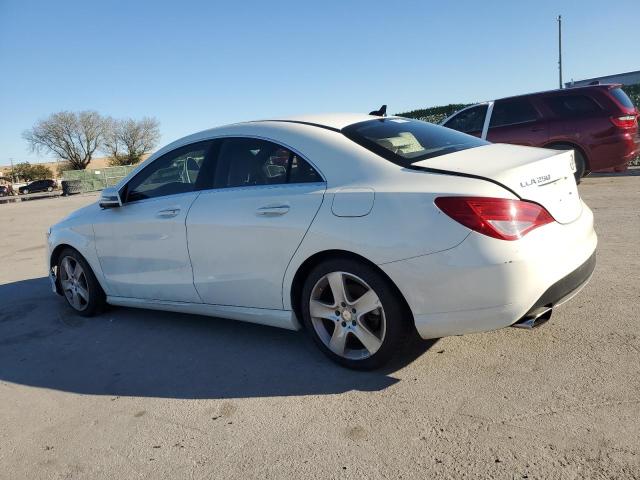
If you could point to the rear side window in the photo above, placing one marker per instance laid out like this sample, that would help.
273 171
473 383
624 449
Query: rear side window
301 172
573 105
510 112
404 141
621 97
245 162
469 120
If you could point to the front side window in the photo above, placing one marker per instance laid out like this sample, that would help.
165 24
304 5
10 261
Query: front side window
469 120
573 105
175 172
404 141
245 162
510 112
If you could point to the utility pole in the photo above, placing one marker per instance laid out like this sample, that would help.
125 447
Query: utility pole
560 50
13 179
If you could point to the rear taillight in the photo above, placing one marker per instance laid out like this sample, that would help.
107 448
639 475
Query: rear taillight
497 217
625 121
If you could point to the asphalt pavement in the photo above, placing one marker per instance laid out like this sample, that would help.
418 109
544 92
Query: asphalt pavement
146 394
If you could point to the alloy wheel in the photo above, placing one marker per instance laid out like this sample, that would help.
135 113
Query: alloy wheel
347 315
73 281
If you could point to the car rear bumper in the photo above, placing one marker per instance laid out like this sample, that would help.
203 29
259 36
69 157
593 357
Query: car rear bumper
615 153
484 283
566 288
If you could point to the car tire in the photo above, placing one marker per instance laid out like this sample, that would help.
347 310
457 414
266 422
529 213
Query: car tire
581 162
336 326
80 287
581 166
70 187
49 189
25 192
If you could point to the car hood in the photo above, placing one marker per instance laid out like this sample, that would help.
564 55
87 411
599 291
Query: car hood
88 210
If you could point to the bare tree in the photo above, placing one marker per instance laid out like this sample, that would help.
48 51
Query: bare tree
73 137
128 140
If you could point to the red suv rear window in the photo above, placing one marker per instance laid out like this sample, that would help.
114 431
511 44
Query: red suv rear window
574 105
621 97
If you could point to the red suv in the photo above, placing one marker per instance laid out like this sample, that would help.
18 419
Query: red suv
599 122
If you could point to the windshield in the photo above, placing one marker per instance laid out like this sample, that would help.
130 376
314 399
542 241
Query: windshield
406 141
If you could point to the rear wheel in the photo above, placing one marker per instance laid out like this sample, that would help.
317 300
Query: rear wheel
49 189
581 162
353 314
78 283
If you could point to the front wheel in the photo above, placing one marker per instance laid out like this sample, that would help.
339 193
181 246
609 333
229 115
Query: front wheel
25 191
49 189
78 283
353 314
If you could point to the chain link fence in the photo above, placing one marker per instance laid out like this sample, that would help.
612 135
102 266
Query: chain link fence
94 180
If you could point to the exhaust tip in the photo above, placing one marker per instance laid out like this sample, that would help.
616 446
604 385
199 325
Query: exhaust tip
535 318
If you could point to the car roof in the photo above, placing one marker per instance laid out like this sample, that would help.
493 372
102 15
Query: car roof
329 121
561 91
336 121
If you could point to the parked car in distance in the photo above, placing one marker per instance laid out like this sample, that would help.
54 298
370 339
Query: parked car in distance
599 122
5 190
38 186
363 229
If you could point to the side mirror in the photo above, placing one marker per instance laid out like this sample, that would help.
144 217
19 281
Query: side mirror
110 198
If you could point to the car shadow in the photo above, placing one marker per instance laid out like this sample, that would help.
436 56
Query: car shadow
131 352
630 172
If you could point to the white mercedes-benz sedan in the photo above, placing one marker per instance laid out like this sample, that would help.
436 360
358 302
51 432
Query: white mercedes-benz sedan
362 229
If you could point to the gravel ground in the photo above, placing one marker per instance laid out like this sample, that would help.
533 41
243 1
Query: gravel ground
143 394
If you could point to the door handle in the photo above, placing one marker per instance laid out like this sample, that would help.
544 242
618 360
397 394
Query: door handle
169 212
272 210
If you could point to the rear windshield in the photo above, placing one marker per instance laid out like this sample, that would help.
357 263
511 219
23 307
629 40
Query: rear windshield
621 97
405 141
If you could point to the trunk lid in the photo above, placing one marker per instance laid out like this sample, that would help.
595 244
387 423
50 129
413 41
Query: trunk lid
536 174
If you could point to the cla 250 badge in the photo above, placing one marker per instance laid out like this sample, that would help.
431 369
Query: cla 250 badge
535 180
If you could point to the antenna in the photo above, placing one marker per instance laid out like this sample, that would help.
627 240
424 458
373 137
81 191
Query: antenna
380 113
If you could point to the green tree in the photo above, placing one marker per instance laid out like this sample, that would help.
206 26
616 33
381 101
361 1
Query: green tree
27 172
434 114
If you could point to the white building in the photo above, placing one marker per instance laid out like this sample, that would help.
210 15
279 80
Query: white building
629 78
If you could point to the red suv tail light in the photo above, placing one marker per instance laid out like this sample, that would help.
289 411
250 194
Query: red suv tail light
625 121
496 217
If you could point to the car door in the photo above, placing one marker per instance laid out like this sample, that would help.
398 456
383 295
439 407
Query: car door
243 233
142 245
470 120
517 121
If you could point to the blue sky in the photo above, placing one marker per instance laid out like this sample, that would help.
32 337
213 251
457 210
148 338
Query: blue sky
198 64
